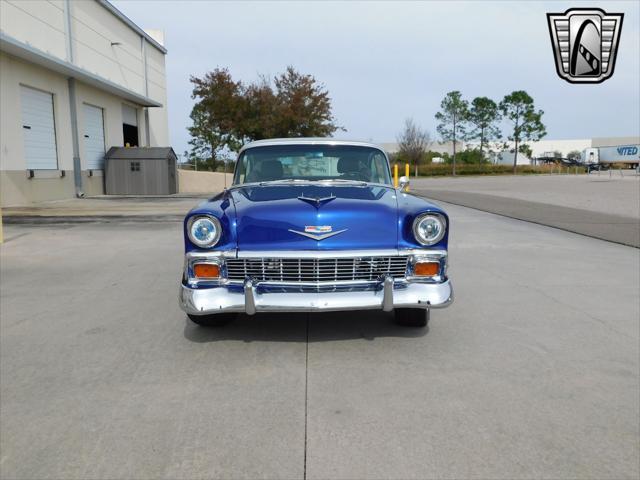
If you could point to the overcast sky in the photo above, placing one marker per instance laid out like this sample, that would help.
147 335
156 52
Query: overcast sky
385 61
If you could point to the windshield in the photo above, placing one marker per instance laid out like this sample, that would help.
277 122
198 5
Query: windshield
291 163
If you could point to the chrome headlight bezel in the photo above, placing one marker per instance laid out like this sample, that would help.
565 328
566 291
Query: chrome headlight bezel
429 215
209 243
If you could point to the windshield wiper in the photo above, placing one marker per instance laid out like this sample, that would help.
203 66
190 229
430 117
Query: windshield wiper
344 181
324 181
284 181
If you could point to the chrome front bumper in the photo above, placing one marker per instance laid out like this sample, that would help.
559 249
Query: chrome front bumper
252 298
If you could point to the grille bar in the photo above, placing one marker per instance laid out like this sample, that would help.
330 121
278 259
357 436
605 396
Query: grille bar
319 270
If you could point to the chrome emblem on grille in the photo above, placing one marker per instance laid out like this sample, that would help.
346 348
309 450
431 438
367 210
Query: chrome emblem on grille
318 232
318 228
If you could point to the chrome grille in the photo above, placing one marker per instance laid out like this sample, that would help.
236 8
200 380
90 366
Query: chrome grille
316 270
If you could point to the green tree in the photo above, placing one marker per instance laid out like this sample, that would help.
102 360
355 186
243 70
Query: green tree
303 106
259 112
483 115
518 108
228 113
452 118
527 151
471 155
215 114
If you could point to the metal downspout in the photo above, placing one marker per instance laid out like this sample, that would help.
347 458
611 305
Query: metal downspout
77 166
146 91
73 111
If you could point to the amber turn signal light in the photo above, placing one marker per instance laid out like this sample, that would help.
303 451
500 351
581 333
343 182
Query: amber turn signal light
426 269
206 270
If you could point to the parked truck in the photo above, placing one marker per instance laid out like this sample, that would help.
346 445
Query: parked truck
597 158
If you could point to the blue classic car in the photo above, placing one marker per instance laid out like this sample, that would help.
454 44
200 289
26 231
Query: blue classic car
314 225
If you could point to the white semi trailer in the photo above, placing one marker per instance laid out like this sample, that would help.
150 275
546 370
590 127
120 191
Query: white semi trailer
597 157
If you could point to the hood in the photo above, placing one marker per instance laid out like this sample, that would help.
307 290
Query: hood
265 216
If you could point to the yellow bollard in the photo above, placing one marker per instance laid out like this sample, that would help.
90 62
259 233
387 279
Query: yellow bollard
395 175
406 174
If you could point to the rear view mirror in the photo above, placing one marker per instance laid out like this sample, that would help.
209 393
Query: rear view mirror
403 183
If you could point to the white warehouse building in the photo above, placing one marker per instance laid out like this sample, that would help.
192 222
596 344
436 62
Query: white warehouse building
539 149
76 78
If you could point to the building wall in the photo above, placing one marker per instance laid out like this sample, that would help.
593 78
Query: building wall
563 146
157 83
15 186
614 141
190 181
94 32
39 23
102 44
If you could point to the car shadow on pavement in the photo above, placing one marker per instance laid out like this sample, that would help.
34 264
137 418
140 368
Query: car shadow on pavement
292 327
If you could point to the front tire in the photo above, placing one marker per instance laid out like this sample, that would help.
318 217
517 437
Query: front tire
217 320
412 317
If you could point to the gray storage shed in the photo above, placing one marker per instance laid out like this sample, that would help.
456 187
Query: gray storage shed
141 171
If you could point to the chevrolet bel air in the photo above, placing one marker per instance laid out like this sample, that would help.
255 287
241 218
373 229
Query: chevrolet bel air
313 225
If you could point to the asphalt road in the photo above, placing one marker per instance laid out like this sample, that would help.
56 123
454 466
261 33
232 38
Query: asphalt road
600 206
532 373
613 192
605 226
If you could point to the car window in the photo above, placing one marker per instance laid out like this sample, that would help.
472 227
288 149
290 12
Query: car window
312 162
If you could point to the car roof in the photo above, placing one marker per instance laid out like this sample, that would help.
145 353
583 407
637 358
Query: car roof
309 141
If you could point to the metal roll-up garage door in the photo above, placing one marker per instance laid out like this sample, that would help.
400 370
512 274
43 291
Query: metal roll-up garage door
93 137
38 128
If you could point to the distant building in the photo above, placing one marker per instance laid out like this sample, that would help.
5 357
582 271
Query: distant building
76 78
539 149
506 158
439 147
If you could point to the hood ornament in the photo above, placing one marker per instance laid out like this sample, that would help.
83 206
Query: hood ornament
318 201
318 232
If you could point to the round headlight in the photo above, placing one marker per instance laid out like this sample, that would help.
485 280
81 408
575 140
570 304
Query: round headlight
429 228
204 231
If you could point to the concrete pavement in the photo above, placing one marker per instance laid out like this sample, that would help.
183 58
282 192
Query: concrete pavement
605 226
591 205
533 372
611 192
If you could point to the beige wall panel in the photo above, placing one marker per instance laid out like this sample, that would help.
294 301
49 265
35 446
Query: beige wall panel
16 189
92 185
158 120
13 73
190 181
94 31
38 23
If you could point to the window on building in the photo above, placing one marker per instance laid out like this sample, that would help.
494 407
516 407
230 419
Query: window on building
130 126
135 166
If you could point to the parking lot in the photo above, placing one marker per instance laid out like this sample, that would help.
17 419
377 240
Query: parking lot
532 373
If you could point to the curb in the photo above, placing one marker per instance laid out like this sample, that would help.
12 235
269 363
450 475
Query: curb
79 219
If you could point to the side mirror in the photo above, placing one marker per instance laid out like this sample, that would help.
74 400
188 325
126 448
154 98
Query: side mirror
403 183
